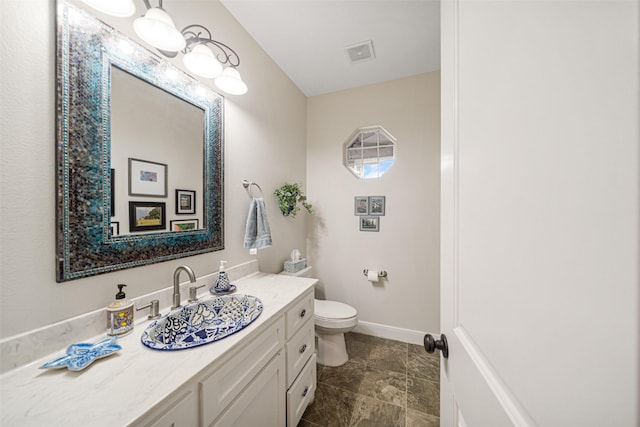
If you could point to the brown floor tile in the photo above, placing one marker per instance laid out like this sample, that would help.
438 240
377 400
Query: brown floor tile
421 364
305 423
387 386
423 395
331 407
420 419
391 357
368 412
348 376
385 383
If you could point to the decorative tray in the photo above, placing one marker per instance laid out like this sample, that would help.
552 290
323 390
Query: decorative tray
81 355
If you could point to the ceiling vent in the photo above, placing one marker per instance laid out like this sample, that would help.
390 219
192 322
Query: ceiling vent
360 52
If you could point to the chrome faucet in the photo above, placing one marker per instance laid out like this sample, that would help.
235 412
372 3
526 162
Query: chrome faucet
176 283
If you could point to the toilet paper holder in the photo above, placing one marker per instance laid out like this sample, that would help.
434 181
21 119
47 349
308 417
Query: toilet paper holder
381 273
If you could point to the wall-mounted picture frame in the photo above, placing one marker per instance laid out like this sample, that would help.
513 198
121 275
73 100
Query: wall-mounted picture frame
113 192
369 223
147 178
377 205
147 216
114 229
183 224
361 205
185 202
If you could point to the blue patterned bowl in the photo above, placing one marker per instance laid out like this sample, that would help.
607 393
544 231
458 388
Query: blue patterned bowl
202 322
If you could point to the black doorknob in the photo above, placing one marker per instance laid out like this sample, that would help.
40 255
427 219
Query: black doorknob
431 344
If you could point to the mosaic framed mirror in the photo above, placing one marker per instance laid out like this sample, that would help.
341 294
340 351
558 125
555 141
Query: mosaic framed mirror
92 151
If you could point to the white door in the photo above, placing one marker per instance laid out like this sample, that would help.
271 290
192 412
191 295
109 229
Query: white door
540 213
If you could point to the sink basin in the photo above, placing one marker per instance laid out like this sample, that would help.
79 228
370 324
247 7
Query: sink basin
202 322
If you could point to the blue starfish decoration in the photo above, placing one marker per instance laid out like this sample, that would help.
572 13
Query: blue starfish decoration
81 355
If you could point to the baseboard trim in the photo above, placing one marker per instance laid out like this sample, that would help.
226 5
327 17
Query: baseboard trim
390 332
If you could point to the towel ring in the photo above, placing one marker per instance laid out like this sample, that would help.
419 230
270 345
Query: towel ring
248 184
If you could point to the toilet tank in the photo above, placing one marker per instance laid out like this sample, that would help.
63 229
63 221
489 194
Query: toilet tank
305 272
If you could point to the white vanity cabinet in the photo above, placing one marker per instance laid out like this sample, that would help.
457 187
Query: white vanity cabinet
263 375
301 359
268 381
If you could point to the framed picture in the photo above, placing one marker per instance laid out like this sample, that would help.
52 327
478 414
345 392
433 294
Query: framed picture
361 205
113 192
146 216
115 228
184 224
147 178
369 223
376 205
185 202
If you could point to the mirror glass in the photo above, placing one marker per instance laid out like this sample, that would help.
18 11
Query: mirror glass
153 127
369 152
139 154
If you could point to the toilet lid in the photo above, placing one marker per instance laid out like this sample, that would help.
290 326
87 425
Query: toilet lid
333 310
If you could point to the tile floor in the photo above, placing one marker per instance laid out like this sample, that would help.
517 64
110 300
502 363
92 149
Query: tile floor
385 383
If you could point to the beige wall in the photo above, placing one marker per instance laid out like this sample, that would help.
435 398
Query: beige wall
264 142
407 245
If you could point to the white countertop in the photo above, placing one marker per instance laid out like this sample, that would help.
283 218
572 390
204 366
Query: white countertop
116 390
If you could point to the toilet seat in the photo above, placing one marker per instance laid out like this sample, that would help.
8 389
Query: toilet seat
334 314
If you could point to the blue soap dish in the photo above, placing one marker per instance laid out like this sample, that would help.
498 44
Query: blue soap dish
83 354
232 288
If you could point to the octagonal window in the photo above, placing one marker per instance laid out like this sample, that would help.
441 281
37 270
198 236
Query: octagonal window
369 152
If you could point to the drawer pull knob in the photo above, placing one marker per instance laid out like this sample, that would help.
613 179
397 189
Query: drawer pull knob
306 390
303 312
303 348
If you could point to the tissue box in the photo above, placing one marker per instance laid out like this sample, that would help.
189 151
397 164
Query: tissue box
295 266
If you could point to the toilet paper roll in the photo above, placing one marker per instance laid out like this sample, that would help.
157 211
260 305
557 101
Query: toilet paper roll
372 276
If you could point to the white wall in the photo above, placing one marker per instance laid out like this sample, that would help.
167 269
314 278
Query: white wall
264 142
407 245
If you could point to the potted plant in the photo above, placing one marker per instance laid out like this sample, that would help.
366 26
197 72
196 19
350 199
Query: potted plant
289 195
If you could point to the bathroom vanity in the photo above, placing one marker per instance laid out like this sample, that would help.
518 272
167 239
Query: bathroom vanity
264 374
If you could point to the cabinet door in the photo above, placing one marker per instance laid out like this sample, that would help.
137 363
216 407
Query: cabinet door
262 402
179 411
220 387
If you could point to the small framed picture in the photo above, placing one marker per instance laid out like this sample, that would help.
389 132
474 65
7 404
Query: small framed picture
376 205
184 224
114 228
185 202
361 205
147 216
147 178
369 223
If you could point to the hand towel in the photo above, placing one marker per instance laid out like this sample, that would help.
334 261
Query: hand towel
257 234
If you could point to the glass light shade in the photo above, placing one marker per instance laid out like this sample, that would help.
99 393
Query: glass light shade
231 82
119 8
201 61
157 28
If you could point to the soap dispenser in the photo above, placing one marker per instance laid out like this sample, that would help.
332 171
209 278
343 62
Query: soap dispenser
222 285
120 314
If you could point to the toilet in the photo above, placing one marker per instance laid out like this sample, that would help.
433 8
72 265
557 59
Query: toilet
332 319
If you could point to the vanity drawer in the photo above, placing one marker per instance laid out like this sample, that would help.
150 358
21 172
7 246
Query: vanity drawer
299 349
219 388
299 313
301 392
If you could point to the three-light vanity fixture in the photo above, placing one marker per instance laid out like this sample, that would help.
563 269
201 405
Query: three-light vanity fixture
157 28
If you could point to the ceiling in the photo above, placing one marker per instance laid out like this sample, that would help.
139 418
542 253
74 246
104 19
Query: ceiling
307 38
